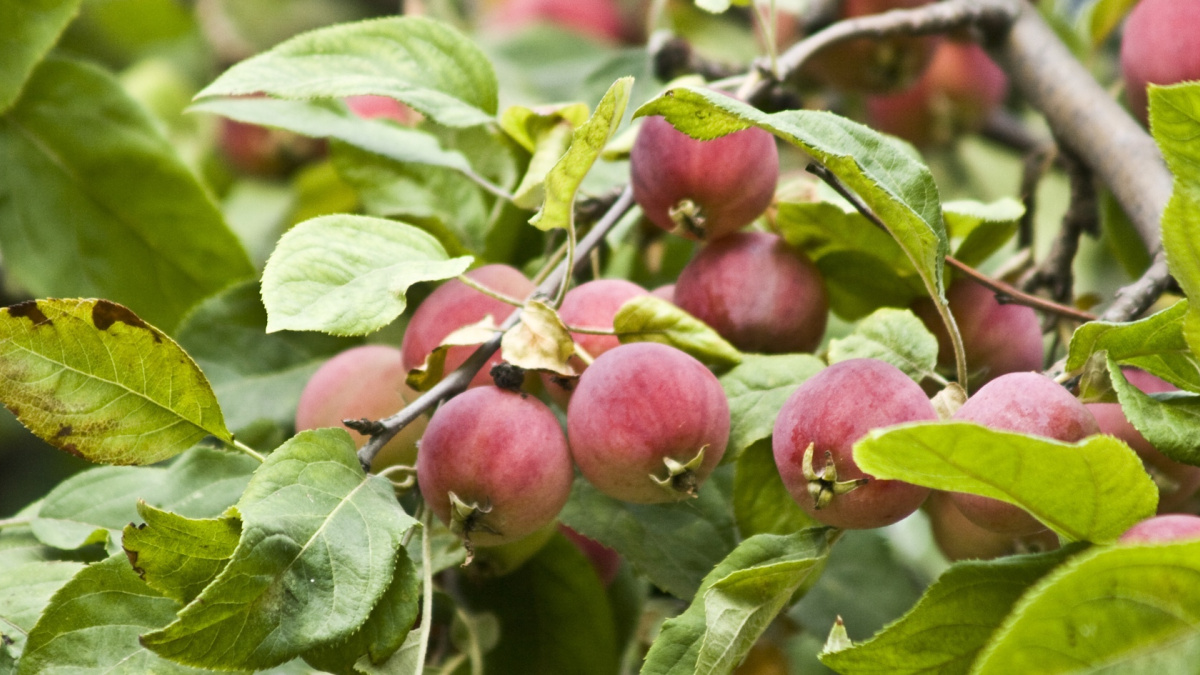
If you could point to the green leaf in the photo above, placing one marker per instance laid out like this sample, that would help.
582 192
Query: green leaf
736 602
25 591
92 378
441 201
1121 609
426 64
761 503
554 616
318 546
386 628
526 125
563 181
757 389
1093 490
1154 344
1103 17
650 319
882 170
96 203
256 376
981 229
347 275
94 505
1169 421
178 556
674 545
896 336
328 119
1175 122
862 559
953 621
19 546
552 146
863 267
92 624
31 29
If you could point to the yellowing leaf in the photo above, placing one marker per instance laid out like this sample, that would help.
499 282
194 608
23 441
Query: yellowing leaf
540 341
92 378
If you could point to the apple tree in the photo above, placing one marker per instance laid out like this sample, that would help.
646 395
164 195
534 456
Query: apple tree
599 336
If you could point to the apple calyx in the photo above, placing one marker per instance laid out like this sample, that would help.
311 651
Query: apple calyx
824 486
689 218
681 478
466 518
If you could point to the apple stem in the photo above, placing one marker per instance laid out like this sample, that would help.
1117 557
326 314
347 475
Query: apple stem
246 450
506 299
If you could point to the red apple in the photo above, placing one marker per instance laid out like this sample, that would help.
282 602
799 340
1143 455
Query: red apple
955 95
368 382
386 107
454 305
1177 481
598 19
998 339
873 65
1159 47
757 292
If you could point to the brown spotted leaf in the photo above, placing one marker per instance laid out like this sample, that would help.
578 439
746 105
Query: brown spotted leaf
92 378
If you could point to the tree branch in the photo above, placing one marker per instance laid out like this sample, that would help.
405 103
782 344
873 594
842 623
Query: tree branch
1082 114
1133 300
1054 273
457 381
940 17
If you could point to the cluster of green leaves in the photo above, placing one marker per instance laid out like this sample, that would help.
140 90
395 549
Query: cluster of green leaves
250 563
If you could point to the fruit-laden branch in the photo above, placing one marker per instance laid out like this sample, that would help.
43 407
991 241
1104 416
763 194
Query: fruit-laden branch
457 381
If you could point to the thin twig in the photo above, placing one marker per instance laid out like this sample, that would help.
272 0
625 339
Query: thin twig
1054 272
1009 295
457 381
1034 168
1133 300
506 299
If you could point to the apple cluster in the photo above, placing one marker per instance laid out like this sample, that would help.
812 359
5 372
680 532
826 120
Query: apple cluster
647 423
